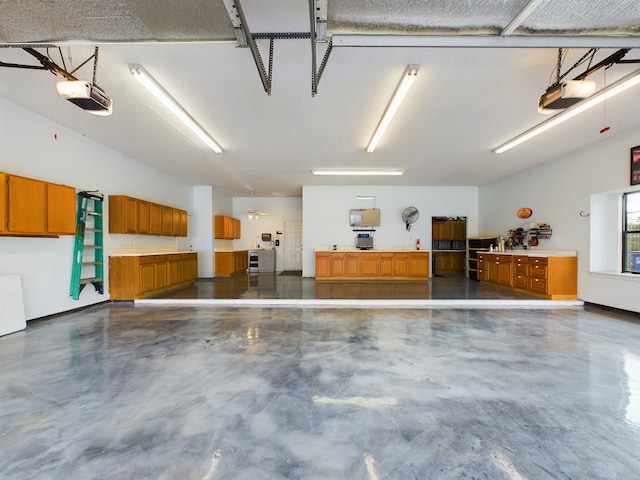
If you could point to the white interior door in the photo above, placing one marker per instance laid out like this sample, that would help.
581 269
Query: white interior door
293 245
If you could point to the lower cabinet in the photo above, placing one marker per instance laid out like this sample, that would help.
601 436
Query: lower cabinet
333 265
231 263
551 277
137 276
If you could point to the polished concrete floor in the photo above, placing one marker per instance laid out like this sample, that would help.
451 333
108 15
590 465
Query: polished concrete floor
123 391
279 286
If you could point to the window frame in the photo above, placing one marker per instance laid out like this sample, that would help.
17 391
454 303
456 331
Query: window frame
626 232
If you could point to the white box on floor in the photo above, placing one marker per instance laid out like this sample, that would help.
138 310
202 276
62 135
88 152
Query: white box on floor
12 317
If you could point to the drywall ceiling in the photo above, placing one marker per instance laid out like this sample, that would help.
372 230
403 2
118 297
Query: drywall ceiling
475 88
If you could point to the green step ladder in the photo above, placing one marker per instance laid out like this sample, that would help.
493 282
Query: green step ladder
89 209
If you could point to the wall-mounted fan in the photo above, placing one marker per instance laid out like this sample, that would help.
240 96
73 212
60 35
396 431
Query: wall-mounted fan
409 216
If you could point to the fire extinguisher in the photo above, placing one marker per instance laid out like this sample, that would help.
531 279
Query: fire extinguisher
418 244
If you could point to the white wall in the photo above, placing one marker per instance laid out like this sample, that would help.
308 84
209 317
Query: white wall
326 215
279 209
44 264
557 192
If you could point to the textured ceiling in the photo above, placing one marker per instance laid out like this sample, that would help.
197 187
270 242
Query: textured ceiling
465 101
25 21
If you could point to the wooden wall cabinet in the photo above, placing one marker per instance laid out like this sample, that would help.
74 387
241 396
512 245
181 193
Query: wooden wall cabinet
137 276
449 230
368 265
232 262
130 215
226 228
30 207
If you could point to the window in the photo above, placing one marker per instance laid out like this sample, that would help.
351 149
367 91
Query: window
631 233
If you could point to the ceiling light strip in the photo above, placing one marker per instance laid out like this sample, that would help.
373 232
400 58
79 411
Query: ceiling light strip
597 98
355 172
168 101
408 77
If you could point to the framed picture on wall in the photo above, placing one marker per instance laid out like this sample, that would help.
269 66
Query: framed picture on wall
635 165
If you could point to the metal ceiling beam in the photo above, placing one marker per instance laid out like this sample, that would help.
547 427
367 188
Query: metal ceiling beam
521 17
314 20
484 41
255 52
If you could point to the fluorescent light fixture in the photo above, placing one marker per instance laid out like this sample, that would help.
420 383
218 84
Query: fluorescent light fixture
597 98
168 101
355 171
408 77
365 197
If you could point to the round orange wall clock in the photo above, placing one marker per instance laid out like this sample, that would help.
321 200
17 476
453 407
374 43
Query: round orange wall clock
524 212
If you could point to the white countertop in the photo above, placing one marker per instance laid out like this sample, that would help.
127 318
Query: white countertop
379 249
143 254
537 253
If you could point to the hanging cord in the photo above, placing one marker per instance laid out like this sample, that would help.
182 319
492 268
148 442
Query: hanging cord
605 127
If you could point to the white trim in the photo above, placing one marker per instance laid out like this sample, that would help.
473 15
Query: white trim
627 277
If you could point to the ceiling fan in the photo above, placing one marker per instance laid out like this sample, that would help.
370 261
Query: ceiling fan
252 213
409 216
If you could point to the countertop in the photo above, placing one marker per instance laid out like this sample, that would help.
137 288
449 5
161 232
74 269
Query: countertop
537 253
145 254
383 249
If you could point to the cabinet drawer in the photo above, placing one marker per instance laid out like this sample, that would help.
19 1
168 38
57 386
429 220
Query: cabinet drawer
520 259
538 261
538 271
522 269
538 284
521 281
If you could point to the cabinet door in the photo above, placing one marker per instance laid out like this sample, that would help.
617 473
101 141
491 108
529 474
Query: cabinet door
189 267
175 222
370 264
419 265
4 202
155 219
61 209
352 265
183 223
441 230
322 264
160 273
504 274
123 214
27 212
174 269
401 265
147 275
236 228
218 226
167 221
144 219
337 265
386 264
458 230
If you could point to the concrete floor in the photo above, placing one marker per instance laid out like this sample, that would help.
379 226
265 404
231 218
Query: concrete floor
124 391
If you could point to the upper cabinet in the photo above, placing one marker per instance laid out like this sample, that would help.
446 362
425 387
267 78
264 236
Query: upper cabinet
30 207
449 230
135 216
226 228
